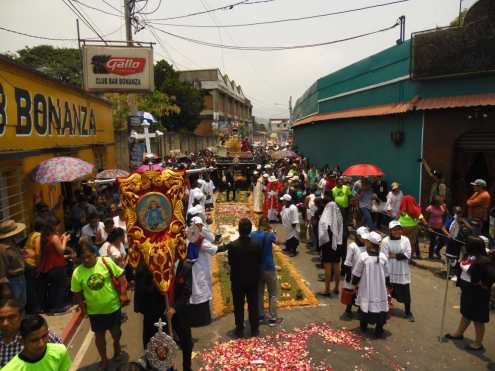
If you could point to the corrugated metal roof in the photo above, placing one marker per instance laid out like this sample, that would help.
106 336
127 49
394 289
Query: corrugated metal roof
417 103
454 102
381 110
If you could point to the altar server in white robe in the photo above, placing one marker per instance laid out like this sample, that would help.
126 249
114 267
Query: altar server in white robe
196 194
397 249
201 271
354 251
371 275
208 188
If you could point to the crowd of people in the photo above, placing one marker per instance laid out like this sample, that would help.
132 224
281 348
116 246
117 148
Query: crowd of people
365 232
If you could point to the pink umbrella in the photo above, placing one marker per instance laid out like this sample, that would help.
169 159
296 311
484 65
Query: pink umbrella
153 167
363 170
61 169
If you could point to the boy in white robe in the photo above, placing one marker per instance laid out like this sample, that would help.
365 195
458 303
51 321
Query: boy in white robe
196 194
258 197
371 275
354 251
208 188
397 249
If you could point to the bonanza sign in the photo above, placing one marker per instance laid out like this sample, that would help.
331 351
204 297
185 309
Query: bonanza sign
118 69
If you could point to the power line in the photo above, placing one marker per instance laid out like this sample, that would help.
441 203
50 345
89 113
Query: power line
79 14
52 38
113 7
275 48
225 7
150 12
97 9
285 19
218 31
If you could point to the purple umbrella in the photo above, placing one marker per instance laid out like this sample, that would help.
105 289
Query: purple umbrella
153 167
61 169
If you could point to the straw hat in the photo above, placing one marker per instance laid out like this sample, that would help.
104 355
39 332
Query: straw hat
9 228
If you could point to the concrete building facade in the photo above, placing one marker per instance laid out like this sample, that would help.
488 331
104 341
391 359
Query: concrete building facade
225 104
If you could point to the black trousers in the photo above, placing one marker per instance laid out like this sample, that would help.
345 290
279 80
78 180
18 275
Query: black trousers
53 289
239 296
181 327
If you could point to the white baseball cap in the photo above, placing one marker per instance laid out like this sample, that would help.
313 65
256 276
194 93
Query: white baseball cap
286 197
393 224
374 238
265 175
258 167
197 220
362 232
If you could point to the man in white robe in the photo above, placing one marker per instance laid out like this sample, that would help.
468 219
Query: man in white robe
371 273
258 196
397 249
290 221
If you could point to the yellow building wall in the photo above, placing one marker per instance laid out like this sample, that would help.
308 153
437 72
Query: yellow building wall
36 145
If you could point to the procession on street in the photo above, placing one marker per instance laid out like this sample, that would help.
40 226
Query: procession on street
155 215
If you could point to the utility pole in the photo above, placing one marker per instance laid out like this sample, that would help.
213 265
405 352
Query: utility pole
128 22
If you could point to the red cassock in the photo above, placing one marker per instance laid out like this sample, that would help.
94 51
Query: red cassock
272 195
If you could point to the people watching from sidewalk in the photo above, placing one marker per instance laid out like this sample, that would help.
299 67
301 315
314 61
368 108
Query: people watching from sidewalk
97 297
435 214
245 259
265 239
410 216
114 247
397 249
380 189
290 222
12 266
95 229
354 251
53 271
330 232
476 279
479 204
32 249
394 197
37 352
11 344
370 277
364 193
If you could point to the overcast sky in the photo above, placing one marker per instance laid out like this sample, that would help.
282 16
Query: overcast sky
269 79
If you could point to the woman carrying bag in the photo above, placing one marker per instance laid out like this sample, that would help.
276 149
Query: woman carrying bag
100 289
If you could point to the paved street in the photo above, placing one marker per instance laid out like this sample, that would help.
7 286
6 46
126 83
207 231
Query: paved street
411 346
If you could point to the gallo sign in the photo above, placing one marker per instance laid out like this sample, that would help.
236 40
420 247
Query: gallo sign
118 69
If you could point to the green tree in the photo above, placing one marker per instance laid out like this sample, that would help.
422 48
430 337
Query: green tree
63 64
185 95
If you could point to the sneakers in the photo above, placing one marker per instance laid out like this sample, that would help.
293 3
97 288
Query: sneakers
275 321
410 317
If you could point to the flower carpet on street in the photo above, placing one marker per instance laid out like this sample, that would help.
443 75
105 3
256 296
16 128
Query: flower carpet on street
288 350
293 291
241 197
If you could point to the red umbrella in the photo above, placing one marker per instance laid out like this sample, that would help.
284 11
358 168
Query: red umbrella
363 170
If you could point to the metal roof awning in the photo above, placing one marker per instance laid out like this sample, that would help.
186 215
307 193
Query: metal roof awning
417 103
381 110
456 102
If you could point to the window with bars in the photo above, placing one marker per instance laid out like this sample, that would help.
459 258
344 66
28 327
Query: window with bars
11 196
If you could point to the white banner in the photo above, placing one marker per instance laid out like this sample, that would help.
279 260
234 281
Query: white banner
118 69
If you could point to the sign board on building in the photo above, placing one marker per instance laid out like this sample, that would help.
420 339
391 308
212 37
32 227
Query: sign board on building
118 69
457 51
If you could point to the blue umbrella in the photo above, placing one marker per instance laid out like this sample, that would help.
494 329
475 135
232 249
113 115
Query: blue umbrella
146 116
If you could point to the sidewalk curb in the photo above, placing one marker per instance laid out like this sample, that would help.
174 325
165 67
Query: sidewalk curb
71 327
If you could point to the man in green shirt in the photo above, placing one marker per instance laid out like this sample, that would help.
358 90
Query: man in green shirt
37 353
341 195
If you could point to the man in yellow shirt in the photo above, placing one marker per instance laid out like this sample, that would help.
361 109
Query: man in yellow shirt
38 354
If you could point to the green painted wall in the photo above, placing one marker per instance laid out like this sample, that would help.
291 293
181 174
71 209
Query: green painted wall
366 140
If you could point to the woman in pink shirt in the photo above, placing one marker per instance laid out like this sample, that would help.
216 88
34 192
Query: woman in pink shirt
435 215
